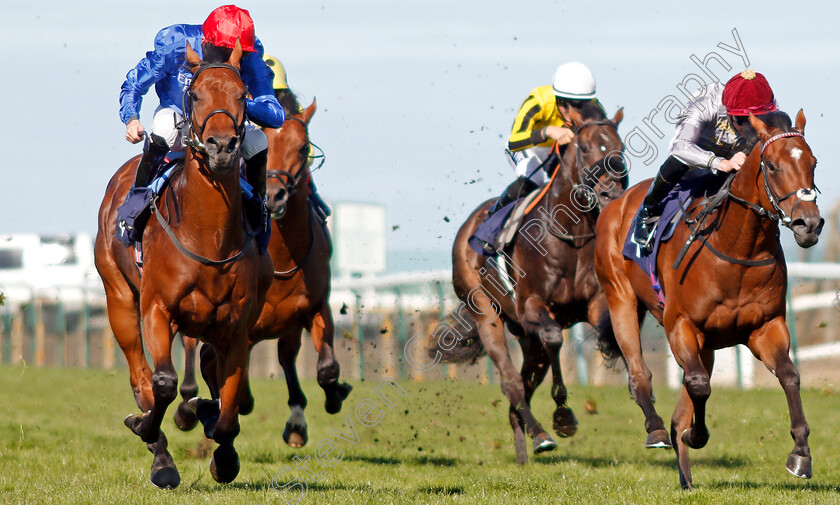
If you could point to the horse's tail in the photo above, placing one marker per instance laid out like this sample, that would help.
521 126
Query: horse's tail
605 341
467 346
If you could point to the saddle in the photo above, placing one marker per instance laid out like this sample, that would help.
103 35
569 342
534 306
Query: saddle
705 190
499 229
134 213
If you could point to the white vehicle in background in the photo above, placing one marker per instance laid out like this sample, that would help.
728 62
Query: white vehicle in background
58 267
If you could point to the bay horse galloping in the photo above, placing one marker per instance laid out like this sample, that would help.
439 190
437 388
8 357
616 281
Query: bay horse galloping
203 274
554 284
729 289
298 299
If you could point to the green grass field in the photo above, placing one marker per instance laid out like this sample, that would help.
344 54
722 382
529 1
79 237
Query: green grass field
62 441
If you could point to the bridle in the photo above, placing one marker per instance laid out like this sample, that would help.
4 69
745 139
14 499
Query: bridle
290 181
802 194
195 144
193 140
580 167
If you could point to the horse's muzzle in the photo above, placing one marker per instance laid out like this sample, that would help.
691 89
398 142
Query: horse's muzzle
806 230
221 152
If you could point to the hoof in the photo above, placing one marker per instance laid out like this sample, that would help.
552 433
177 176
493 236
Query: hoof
658 439
544 443
565 422
166 477
224 466
207 412
799 466
690 438
336 397
295 436
138 424
185 418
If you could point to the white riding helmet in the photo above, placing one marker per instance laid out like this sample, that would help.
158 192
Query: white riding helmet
574 80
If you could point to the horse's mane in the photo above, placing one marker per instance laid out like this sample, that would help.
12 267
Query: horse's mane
777 119
289 101
592 109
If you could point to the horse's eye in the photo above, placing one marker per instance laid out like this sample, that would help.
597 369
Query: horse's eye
193 97
244 97
584 148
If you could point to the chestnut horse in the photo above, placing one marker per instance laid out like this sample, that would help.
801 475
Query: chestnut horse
298 299
552 275
202 274
730 288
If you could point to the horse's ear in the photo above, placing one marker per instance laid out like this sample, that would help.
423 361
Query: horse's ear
800 122
760 128
193 58
236 55
571 115
309 111
618 116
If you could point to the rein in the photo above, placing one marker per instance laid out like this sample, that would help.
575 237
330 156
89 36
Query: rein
714 203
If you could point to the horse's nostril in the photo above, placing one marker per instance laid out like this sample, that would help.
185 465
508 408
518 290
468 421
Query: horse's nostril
233 145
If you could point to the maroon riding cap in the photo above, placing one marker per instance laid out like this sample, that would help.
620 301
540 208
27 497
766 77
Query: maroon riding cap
748 92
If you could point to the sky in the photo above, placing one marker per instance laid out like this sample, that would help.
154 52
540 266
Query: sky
415 99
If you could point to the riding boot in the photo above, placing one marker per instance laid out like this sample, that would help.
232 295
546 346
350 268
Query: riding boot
255 210
522 186
320 205
255 171
154 151
649 212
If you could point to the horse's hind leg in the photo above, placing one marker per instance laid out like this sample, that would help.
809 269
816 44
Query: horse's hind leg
537 322
295 433
185 418
492 335
771 345
321 330
626 316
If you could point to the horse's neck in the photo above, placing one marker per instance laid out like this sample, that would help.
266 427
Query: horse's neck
560 204
742 232
294 228
213 204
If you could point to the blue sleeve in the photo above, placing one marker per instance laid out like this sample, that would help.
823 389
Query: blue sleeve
150 70
263 109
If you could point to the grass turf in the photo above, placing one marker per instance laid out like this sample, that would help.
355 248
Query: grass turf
62 441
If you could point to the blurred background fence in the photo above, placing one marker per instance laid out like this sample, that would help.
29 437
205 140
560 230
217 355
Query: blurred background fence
376 316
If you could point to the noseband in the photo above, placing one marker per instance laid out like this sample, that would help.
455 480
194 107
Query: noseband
802 194
193 140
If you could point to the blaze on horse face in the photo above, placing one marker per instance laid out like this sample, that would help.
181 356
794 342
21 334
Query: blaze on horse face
788 177
602 154
216 108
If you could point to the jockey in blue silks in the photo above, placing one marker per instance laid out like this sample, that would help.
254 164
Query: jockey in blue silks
164 68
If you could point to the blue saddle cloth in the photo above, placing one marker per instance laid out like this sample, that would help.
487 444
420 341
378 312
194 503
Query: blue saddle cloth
692 186
483 241
134 213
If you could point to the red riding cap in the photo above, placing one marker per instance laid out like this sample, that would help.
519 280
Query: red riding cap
748 92
226 24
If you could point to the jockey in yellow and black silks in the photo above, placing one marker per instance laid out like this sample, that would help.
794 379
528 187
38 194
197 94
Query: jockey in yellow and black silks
541 122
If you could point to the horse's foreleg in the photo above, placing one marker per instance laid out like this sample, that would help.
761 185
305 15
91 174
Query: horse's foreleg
295 433
536 321
321 329
232 373
164 390
535 365
771 345
697 368
184 416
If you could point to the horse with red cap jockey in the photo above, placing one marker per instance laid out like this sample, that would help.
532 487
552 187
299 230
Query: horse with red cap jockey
720 280
164 68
